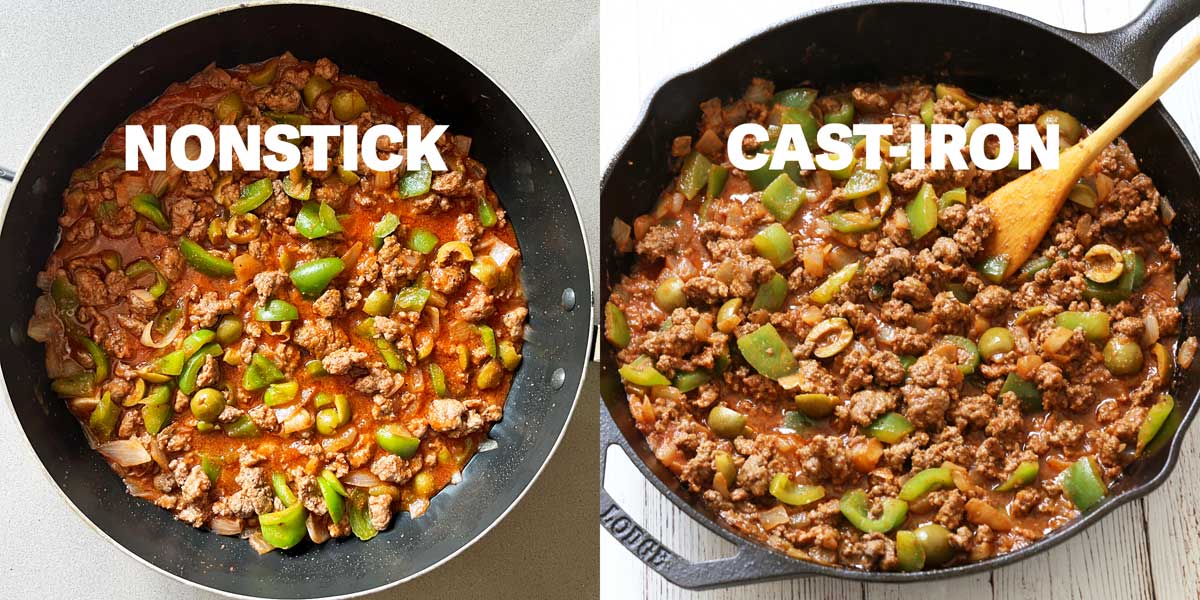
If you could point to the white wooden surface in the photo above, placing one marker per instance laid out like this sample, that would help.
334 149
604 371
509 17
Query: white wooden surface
1147 549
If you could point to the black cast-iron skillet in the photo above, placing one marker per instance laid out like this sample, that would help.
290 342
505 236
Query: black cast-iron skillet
986 50
408 66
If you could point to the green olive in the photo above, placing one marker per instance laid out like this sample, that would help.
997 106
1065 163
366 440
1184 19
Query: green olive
348 104
726 422
207 404
994 342
1069 128
327 421
1104 263
489 375
423 484
1122 356
378 303
724 465
669 295
817 406
230 108
229 330
396 439
313 88
830 337
728 317
935 539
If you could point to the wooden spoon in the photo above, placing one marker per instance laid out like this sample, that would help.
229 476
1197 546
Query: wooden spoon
1023 210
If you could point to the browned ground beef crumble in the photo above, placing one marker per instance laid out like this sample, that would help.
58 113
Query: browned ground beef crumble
904 299
217 471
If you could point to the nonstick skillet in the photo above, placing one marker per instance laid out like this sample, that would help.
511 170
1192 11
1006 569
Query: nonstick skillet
988 51
410 66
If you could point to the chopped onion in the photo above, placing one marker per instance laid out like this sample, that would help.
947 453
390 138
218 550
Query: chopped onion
340 441
148 340
773 517
361 478
417 507
259 544
126 453
1187 352
621 232
301 420
502 253
1167 211
317 532
456 478
159 456
43 325
1151 333
137 490
488 445
1181 290
791 382
225 526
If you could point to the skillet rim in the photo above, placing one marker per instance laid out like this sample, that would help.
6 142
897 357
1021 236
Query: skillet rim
9 408
748 547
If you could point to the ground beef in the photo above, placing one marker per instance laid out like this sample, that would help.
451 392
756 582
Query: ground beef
905 389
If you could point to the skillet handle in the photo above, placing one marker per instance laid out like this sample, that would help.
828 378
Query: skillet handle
750 563
1132 49
7 174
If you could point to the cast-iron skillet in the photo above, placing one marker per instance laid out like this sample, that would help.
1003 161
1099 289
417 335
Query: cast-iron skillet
986 50
409 66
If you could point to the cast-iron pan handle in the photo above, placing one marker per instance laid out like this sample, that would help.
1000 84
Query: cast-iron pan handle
751 562
1132 49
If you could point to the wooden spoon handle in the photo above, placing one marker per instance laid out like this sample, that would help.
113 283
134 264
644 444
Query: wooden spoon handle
1145 97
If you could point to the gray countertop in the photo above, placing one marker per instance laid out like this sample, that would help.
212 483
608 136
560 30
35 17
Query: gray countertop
546 55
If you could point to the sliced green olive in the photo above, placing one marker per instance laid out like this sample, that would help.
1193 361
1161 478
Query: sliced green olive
728 317
348 104
396 439
1104 263
1094 324
726 422
910 554
723 463
830 337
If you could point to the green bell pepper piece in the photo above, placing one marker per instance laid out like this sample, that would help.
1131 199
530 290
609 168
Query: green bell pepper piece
1083 483
260 373
1133 275
688 381
281 393
782 198
147 205
104 417
203 261
1153 423
276 310
279 483
794 115
1025 390
422 240
1094 324
642 372
693 175
851 221
397 440
386 226
284 528
928 480
922 212
317 220
794 494
191 369
616 328
863 183
844 113
824 293
717 176
854 507
800 97
312 277
252 197
1023 475
993 267
74 386
957 195
240 428
766 352
157 408
334 500
774 243
487 215
415 183
771 294
412 299
196 340
910 554
796 421
890 428
360 522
